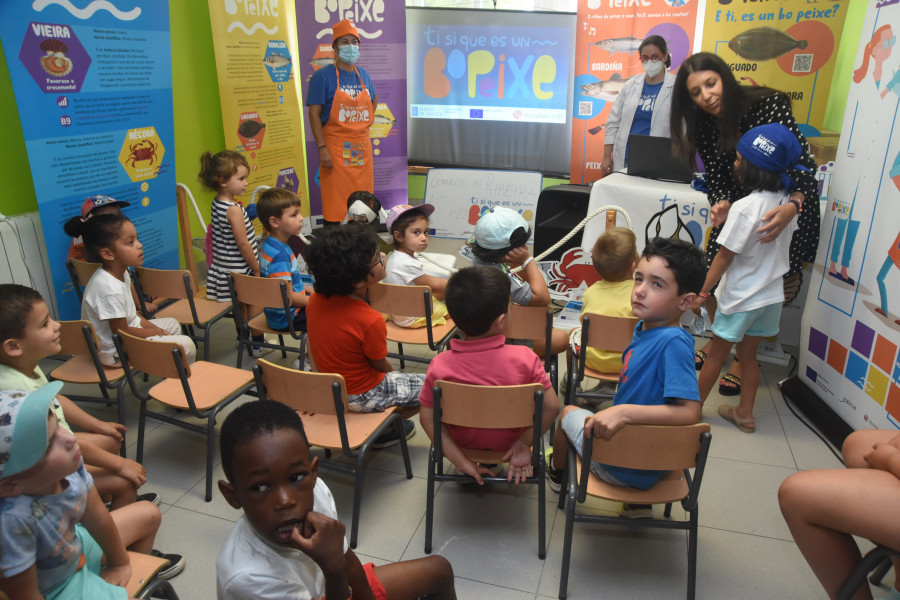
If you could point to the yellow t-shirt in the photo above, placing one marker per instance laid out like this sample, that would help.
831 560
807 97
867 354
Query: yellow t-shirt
612 299
11 379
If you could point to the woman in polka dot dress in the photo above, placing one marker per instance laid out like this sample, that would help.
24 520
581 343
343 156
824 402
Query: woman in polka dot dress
710 112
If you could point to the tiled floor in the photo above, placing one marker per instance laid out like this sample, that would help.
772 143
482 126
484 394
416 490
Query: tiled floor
489 535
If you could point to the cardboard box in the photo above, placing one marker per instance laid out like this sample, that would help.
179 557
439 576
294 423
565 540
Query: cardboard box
824 147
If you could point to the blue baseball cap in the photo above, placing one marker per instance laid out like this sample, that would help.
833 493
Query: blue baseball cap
772 147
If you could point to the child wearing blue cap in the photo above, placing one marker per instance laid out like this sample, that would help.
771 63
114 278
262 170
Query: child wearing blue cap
752 292
54 528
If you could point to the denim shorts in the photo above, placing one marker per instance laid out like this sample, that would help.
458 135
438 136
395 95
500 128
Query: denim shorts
759 322
396 389
573 425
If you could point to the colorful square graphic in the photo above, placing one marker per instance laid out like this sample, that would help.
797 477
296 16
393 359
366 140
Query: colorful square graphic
811 374
896 374
884 354
857 367
892 404
837 356
876 385
863 336
818 342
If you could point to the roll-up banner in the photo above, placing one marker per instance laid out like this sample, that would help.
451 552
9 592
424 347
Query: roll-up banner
93 87
255 45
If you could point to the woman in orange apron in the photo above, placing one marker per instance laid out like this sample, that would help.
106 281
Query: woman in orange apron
345 152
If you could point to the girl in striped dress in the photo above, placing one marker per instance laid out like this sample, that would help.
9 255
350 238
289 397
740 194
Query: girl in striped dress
233 239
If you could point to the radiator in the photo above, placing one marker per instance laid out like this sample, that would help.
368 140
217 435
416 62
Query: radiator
23 256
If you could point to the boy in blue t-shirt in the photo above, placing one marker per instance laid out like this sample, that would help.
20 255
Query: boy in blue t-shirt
658 383
279 212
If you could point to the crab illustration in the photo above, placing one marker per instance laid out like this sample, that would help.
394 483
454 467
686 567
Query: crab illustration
573 271
143 150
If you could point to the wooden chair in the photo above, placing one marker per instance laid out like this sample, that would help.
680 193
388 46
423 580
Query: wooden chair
877 561
80 272
145 581
535 322
189 309
200 390
267 293
600 332
488 407
79 340
673 449
410 301
321 401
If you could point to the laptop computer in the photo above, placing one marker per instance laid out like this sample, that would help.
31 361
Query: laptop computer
651 157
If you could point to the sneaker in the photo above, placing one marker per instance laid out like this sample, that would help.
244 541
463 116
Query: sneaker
391 438
554 477
256 350
637 511
175 566
150 497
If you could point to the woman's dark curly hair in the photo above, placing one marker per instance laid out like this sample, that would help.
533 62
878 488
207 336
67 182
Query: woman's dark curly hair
340 257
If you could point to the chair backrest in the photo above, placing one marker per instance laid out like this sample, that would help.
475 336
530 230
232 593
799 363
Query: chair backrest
301 390
406 300
612 334
81 271
153 357
529 322
161 283
487 407
71 337
260 291
651 447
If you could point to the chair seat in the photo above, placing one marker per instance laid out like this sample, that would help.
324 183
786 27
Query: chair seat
322 430
419 335
589 372
81 369
259 326
181 311
671 488
143 568
211 384
485 456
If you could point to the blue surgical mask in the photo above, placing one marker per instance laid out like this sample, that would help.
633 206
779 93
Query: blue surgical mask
349 53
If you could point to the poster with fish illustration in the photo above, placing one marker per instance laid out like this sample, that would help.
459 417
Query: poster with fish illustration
789 46
93 87
256 47
382 52
607 38
850 332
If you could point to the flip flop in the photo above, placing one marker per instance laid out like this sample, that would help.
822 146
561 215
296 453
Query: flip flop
730 390
847 280
699 359
729 413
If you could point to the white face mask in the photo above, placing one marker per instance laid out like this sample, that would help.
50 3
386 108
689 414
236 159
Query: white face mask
653 68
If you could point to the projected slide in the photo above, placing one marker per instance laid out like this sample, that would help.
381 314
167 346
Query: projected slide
482 72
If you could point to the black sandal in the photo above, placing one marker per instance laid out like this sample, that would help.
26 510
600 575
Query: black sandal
699 358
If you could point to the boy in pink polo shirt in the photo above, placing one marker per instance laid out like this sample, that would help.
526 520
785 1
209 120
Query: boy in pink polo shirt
478 301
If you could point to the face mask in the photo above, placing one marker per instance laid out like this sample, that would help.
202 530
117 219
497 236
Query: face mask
349 54
653 68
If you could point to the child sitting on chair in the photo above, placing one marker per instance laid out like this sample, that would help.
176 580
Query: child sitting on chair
279 213
289 542
478 301
349 337
658 383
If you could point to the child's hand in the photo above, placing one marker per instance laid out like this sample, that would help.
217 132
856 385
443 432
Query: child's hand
519 457
880 455
718 214
116 575
133 472
698 302
113 430
475 471
606 423
151 306
322 539
516 256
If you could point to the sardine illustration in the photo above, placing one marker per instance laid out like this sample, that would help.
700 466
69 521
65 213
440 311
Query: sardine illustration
383 120
277 60
605 90
597 129
763 43
321 62
626 45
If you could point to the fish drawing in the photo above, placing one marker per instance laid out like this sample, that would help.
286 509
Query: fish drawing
321 62
597 129
383 120
277 60
250 128
604 90
764 43
625 44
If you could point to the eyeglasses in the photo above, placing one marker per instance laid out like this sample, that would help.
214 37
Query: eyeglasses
380 261
652 57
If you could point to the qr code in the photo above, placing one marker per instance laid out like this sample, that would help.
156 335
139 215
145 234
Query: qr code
584 109
802 63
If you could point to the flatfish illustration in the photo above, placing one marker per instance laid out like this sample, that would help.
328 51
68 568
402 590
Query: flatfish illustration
597 129
626 45
250 128
383 120
605 90
764 43
321 62
277 60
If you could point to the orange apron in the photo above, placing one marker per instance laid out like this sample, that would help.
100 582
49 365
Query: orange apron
347 138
